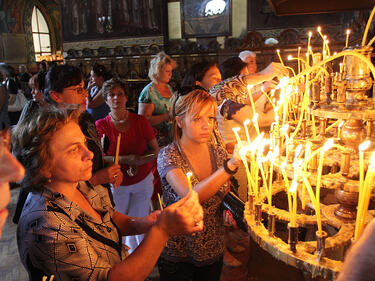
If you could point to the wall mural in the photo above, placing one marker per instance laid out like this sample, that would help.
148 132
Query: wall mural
100 19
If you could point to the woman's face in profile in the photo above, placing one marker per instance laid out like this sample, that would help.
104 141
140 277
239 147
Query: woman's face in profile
165 73
10 171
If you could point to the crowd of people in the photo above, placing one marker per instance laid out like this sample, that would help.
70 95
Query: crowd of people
88 168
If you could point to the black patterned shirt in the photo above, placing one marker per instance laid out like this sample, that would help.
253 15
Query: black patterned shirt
56 237
206 246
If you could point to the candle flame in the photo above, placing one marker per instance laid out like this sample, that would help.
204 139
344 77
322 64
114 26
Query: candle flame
329 143
363 146
290 57
236 129
319 29
255 118
341 124
310 33
278 50
246 122
249 87
299 48
335 53
189 174
293 186
347 31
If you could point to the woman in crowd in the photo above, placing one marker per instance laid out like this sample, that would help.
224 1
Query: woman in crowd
96 104
12 85
68 227
36 84
10 171
204 74
154 100
197 257
138 149
65 86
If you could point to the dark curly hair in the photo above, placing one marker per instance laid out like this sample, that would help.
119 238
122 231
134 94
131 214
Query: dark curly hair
31 138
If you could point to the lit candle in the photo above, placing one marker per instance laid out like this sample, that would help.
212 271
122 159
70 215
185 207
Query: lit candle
347 37
255 122
249 87
161 205
287 187
307 153
363 205
308 45
361 148
298 59
293 191
278 53
235 131
117 148
188 175
339 129
245 124
320 32
326 147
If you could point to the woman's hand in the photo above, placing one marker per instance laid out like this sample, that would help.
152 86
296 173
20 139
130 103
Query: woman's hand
143 225
111 174
182 217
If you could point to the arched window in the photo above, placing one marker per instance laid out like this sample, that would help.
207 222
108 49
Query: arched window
41 34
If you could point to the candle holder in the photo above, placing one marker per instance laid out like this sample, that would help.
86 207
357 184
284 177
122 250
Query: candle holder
320 244
251 203
292 237
323 126
304 129
258 213
345 163
271 223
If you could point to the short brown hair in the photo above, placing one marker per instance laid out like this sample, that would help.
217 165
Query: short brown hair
110 84
31 137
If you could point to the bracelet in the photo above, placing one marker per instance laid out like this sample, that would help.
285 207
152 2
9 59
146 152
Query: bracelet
229 171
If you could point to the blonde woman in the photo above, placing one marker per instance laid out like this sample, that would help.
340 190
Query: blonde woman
154 100
198 257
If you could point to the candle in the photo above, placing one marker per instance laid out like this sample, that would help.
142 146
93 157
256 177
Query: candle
298 59
364 203
361 148
245 124
255 122
188 175
102 141
347 37
161 205
339 129
249 87
307 153
278 54
287 187
117 148
293 191
320 32
235 131
326 147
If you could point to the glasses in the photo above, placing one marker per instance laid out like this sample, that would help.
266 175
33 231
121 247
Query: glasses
79 90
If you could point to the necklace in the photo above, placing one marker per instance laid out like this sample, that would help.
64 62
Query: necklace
123 120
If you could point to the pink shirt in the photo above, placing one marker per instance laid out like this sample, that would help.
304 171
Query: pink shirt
133 141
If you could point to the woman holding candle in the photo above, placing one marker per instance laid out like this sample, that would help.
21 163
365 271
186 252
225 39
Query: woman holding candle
137 150
68 227
197 257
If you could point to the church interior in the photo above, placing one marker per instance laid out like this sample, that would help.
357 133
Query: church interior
302 204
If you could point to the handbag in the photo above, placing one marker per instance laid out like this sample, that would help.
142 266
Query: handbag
236 206
19 101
